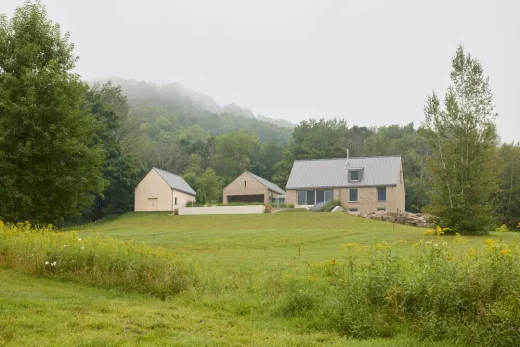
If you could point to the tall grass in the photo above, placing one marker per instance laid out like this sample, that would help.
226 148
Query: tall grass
436 292
96 261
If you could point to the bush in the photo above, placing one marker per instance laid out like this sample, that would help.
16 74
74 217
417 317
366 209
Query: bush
96 261
291 205
268 208
330 205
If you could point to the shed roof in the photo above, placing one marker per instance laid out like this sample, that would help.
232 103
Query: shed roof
270 185
330 173
175 182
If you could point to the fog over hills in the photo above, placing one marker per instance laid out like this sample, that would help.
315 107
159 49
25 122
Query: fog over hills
137 91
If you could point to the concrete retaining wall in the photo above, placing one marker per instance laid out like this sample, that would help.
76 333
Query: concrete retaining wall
191 211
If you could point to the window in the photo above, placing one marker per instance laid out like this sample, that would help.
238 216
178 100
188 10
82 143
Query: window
353 195
320 196
302 198
352 209
245 184
329 195
311 197
401 176
354 175
381 194
175 201
381 209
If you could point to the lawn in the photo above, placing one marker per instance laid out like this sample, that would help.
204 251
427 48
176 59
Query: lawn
285 239
241 262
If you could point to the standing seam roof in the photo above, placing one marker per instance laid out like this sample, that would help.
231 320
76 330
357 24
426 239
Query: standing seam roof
176 182
329 173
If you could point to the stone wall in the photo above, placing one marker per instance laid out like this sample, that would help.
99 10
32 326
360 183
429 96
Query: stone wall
407 218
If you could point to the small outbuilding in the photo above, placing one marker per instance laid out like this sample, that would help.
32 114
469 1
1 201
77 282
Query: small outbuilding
249 187
161 190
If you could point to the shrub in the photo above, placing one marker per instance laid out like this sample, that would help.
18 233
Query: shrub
268 208
291 205
330 205
176 212
96 261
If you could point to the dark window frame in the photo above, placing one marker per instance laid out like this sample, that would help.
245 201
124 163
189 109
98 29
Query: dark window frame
350 194
378 189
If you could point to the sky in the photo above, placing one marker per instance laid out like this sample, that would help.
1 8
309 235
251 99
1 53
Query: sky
368 62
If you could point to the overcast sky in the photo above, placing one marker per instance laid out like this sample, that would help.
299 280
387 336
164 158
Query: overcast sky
369 62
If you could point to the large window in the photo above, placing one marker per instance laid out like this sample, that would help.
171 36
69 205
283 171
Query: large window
381 194
313 197
353 195
302 198
329 195
320 196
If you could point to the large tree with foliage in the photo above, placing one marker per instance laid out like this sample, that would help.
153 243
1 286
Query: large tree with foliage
49 166
234 153
463 164
509 197
110 108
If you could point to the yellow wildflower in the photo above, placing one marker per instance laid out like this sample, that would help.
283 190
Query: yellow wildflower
429 232
351 244
490 242
471 252
505 251
382 245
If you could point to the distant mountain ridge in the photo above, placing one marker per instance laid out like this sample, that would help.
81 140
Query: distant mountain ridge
198 100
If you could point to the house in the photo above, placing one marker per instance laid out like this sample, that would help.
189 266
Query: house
361 184
162 191
249 187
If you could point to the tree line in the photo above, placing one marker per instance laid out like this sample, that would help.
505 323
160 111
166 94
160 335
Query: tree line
72 152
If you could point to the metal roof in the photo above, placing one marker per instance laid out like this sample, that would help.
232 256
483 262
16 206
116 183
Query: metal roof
175 182
330 173
270 185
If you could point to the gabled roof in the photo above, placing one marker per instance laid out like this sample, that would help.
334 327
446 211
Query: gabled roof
175 182
330 173
270 185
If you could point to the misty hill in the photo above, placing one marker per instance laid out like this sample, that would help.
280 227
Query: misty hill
140 91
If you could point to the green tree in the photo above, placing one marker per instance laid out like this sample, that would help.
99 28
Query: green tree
509 197
463 139
234 154
110 108
49 164
208 187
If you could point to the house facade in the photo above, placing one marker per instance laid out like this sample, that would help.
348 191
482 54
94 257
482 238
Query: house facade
360 184
249 187
161 190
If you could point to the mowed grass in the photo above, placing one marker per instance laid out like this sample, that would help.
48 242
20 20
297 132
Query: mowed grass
285 239
41 312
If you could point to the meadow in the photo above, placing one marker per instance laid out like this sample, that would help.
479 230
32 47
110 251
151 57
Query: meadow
273 279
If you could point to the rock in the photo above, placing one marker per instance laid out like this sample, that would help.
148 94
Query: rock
422 225
338 209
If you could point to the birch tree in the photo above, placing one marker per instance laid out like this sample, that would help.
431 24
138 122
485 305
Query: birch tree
463 137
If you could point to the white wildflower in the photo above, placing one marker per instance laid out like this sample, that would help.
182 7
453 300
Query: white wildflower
53 263
64 245
46 263
83 247
79 239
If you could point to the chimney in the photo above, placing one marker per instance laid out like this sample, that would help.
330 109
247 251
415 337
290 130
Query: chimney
348 153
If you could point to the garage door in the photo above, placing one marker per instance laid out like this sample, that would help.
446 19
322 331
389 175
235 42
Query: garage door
246 198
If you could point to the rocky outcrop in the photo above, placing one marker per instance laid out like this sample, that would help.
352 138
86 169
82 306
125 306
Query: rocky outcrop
414 219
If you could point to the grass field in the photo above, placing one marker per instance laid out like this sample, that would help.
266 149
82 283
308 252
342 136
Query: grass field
286 239
241 261
40 312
